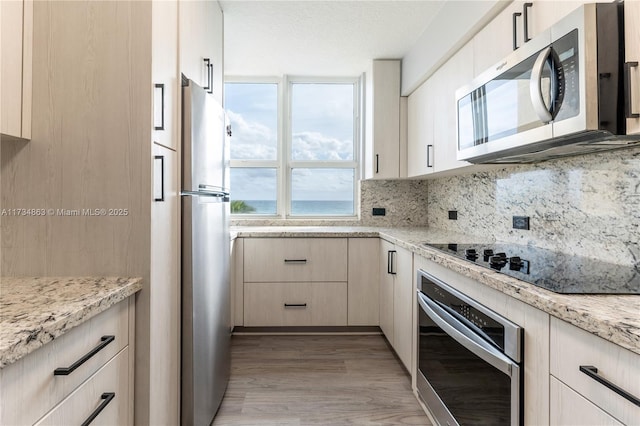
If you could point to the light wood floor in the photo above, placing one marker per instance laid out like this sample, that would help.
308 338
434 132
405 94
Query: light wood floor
317 380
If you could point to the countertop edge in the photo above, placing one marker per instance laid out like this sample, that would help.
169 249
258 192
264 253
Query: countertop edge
577 310
51 330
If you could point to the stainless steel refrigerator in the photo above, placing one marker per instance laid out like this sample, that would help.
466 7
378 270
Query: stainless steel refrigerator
206 329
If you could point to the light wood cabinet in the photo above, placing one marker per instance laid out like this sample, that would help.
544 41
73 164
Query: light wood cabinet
632 54
164 295
295 259
495 40
108 388
544 13
363 287
30 382
454 73
568 408
573 348
164 70
295 282
384 139
16 45
200 38
396 300
295 304
432 132
422 105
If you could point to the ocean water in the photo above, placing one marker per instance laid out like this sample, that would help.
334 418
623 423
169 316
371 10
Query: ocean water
304 207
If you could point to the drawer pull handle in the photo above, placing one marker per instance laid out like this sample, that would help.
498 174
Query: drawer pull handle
592 372
65 371
295 261
295 305
107 397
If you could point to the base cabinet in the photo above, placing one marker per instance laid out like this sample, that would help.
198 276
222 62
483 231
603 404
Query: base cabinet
396 300
31 394
105 395
574 349
569 408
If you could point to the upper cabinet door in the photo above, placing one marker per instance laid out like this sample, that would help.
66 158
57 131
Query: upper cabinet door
16 35
165 73
385 117
544 13
632 46
420 120
201 47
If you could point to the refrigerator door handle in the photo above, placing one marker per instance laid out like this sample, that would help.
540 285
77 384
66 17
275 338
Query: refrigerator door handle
213 194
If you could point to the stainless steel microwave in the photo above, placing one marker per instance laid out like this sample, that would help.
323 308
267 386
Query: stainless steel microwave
562 93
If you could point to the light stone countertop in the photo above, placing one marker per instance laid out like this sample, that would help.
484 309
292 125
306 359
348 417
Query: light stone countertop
36 310
612 317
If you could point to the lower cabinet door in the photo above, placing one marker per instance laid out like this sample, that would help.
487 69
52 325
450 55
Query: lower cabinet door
102 400
295 304
570 408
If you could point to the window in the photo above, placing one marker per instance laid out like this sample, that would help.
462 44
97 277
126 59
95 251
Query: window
309 169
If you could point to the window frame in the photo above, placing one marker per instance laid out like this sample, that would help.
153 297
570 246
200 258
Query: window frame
284 164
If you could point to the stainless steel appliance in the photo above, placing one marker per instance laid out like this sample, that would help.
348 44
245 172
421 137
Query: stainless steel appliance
562 93
470 359
206 330
557 272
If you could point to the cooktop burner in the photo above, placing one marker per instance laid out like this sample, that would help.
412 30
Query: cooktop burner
558 272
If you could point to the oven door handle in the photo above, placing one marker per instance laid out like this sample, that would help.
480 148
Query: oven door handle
467 338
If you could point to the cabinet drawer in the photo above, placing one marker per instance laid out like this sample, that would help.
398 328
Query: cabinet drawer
569 408
572 347
295 259
295 304
113 378
35 389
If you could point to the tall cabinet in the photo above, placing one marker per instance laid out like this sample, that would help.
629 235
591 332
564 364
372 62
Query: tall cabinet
16 42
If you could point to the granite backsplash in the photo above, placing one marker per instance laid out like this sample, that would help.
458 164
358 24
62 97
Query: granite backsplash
587 205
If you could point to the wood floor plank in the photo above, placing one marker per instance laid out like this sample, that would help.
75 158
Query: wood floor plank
317 380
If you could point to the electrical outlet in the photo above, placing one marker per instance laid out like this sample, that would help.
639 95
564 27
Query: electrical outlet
453 214
521 222
379 211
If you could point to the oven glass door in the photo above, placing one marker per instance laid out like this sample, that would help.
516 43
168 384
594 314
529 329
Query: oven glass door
473 391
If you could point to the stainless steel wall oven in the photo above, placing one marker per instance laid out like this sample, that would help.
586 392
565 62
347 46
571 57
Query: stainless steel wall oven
470 359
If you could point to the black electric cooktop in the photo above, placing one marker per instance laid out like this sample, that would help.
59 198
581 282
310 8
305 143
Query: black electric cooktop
557 272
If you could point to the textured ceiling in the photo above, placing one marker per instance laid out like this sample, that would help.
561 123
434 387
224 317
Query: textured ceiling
319 38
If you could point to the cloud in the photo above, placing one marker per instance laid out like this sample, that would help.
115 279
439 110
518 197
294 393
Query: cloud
251 140
315 146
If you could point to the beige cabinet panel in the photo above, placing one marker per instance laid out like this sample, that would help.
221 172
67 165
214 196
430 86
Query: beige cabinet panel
572 347
16 45
295 304
495 40
386 289
632 46
164 63
295 259
456 72
569 408
422 105
30 381
403 307
77 407
386 119
164 294
363 286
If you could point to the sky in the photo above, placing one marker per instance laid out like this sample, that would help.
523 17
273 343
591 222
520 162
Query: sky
322 129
